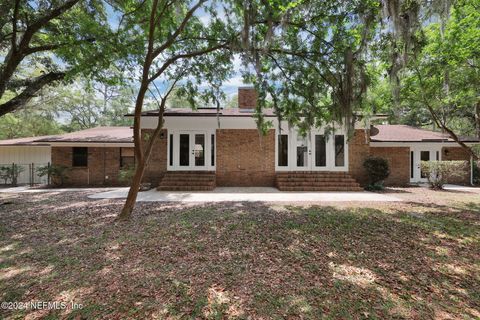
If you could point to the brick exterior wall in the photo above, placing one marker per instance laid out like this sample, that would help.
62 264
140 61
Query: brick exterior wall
458 154
102 170
399 162
157 164
247 98
244 158
358 151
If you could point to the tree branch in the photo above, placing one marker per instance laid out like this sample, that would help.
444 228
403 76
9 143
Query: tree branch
33 87
179 30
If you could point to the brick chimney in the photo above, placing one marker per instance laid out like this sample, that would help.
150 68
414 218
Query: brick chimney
247 98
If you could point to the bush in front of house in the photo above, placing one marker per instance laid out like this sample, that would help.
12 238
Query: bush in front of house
11 173
438 173
126 174
377 170
56 173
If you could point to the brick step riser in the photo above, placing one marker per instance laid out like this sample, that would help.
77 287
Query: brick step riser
191 183
199 173
185 188
318 189
339 176
170 179
302 184
315 180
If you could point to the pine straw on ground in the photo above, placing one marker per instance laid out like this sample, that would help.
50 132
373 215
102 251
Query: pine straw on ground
418 259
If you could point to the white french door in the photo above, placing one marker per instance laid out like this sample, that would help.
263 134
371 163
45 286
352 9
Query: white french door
191 150
419 154
312 152
302 152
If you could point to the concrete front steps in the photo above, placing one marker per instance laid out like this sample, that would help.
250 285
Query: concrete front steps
187 181
316 181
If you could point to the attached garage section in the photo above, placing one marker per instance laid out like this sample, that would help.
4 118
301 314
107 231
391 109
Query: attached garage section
28 157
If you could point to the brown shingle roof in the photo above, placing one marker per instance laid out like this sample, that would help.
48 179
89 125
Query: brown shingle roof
24 141
98 134
404 133
206 112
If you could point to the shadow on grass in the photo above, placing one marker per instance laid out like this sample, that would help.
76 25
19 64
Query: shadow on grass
239 260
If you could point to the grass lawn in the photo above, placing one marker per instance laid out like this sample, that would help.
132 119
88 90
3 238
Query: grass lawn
418 259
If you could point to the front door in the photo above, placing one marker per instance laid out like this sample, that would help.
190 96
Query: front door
303 153
315 151
191 151
417 155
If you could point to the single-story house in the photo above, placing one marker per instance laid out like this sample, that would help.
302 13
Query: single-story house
200 149
228 148
94 156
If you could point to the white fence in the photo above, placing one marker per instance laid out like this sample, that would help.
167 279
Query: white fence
27 173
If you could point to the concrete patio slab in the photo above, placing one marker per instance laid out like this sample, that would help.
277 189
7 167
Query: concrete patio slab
245 194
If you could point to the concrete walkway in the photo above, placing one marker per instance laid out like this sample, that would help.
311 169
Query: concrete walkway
245 194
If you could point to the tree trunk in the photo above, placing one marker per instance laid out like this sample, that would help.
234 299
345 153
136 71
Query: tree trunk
127 210
477 118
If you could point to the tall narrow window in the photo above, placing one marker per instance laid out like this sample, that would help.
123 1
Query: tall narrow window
437 156
424 156
127 158
170 148
411 164
320 151
79 157
302 151
184 147
212 149
339 151
282 150
199 150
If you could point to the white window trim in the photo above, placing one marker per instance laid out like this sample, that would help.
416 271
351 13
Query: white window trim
176 155
330 147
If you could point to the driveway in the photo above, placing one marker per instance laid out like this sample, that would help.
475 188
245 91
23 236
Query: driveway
245 194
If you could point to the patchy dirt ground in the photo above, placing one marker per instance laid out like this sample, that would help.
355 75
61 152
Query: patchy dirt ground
418 259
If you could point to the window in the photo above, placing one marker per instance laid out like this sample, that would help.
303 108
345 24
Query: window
212 148
199 150
184 150
339 151
127 157
170 160
79 157
302 151
411 164
424 156
320 151
282 150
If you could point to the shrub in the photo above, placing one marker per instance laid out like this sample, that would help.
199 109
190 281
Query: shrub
476 174
439 172
11 173
57 173
126 174
377 171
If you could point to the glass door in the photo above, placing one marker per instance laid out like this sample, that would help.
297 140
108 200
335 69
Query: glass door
190 151
424 156
198 150
419 154
302 153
